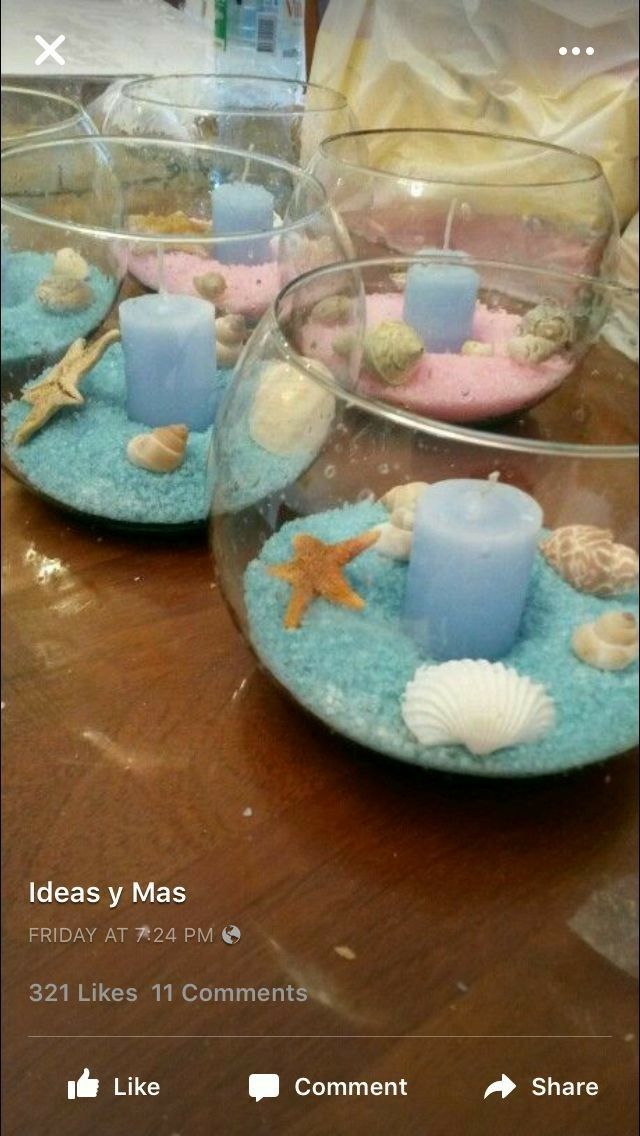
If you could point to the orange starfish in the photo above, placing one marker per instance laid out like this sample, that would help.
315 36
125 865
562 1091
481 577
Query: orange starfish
316 570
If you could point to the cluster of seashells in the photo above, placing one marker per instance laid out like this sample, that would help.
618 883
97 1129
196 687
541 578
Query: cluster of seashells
161 450
544 331
66 289
481 705
396 534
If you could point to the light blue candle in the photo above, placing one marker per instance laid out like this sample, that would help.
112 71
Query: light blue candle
169 346
241 207
440 302
471 558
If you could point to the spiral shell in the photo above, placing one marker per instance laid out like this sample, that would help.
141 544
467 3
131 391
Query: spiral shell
64 294
67 262
610 643
161 451
481 705
290 413
404 496
392 350
210 285
475 347
588 559
332 310
530 348
231 333
549 320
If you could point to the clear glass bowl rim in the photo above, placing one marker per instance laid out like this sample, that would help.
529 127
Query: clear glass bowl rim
339 100
431 426
78 114
324 148
299 176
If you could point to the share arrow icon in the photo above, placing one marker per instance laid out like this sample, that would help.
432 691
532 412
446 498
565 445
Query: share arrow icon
504 1086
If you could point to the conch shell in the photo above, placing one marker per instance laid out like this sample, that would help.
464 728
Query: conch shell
67 262
475 347
404 496
392 350
210 285
161 451
610 643
530 348
332 310
549 320
472 702
231 334
588 559
64 294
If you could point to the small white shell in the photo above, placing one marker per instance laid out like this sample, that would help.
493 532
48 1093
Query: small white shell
475 347
549 320
610 643
64 294
68 262
403 496
393 541
472 702
231 333
332 310
530 348
161 451
210 285
403 518
290 412
344 343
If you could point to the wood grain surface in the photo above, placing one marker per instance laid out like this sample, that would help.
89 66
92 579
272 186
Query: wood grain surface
488 926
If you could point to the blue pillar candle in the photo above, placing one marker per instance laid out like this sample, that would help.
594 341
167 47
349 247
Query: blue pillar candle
241 207
471 558
169 347
440 302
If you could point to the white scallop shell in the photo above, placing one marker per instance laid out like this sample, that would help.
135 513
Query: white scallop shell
291 413
472 702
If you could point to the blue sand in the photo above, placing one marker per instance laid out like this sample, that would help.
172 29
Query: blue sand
79 457
350 668
28 330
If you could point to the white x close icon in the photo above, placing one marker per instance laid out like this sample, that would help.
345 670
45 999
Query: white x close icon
49 50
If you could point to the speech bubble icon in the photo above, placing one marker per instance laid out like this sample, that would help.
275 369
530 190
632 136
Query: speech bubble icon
264 1085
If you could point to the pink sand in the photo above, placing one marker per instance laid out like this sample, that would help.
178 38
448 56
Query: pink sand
249 291
455 388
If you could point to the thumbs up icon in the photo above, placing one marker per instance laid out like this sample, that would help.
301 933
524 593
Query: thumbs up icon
85 1086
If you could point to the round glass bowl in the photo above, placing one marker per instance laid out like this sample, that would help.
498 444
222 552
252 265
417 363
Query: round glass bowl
40 116
284 118
133 270
484 194
357 540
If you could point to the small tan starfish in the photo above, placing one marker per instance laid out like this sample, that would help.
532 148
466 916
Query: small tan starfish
316 570
60 387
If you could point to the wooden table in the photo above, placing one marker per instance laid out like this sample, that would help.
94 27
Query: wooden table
446 930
